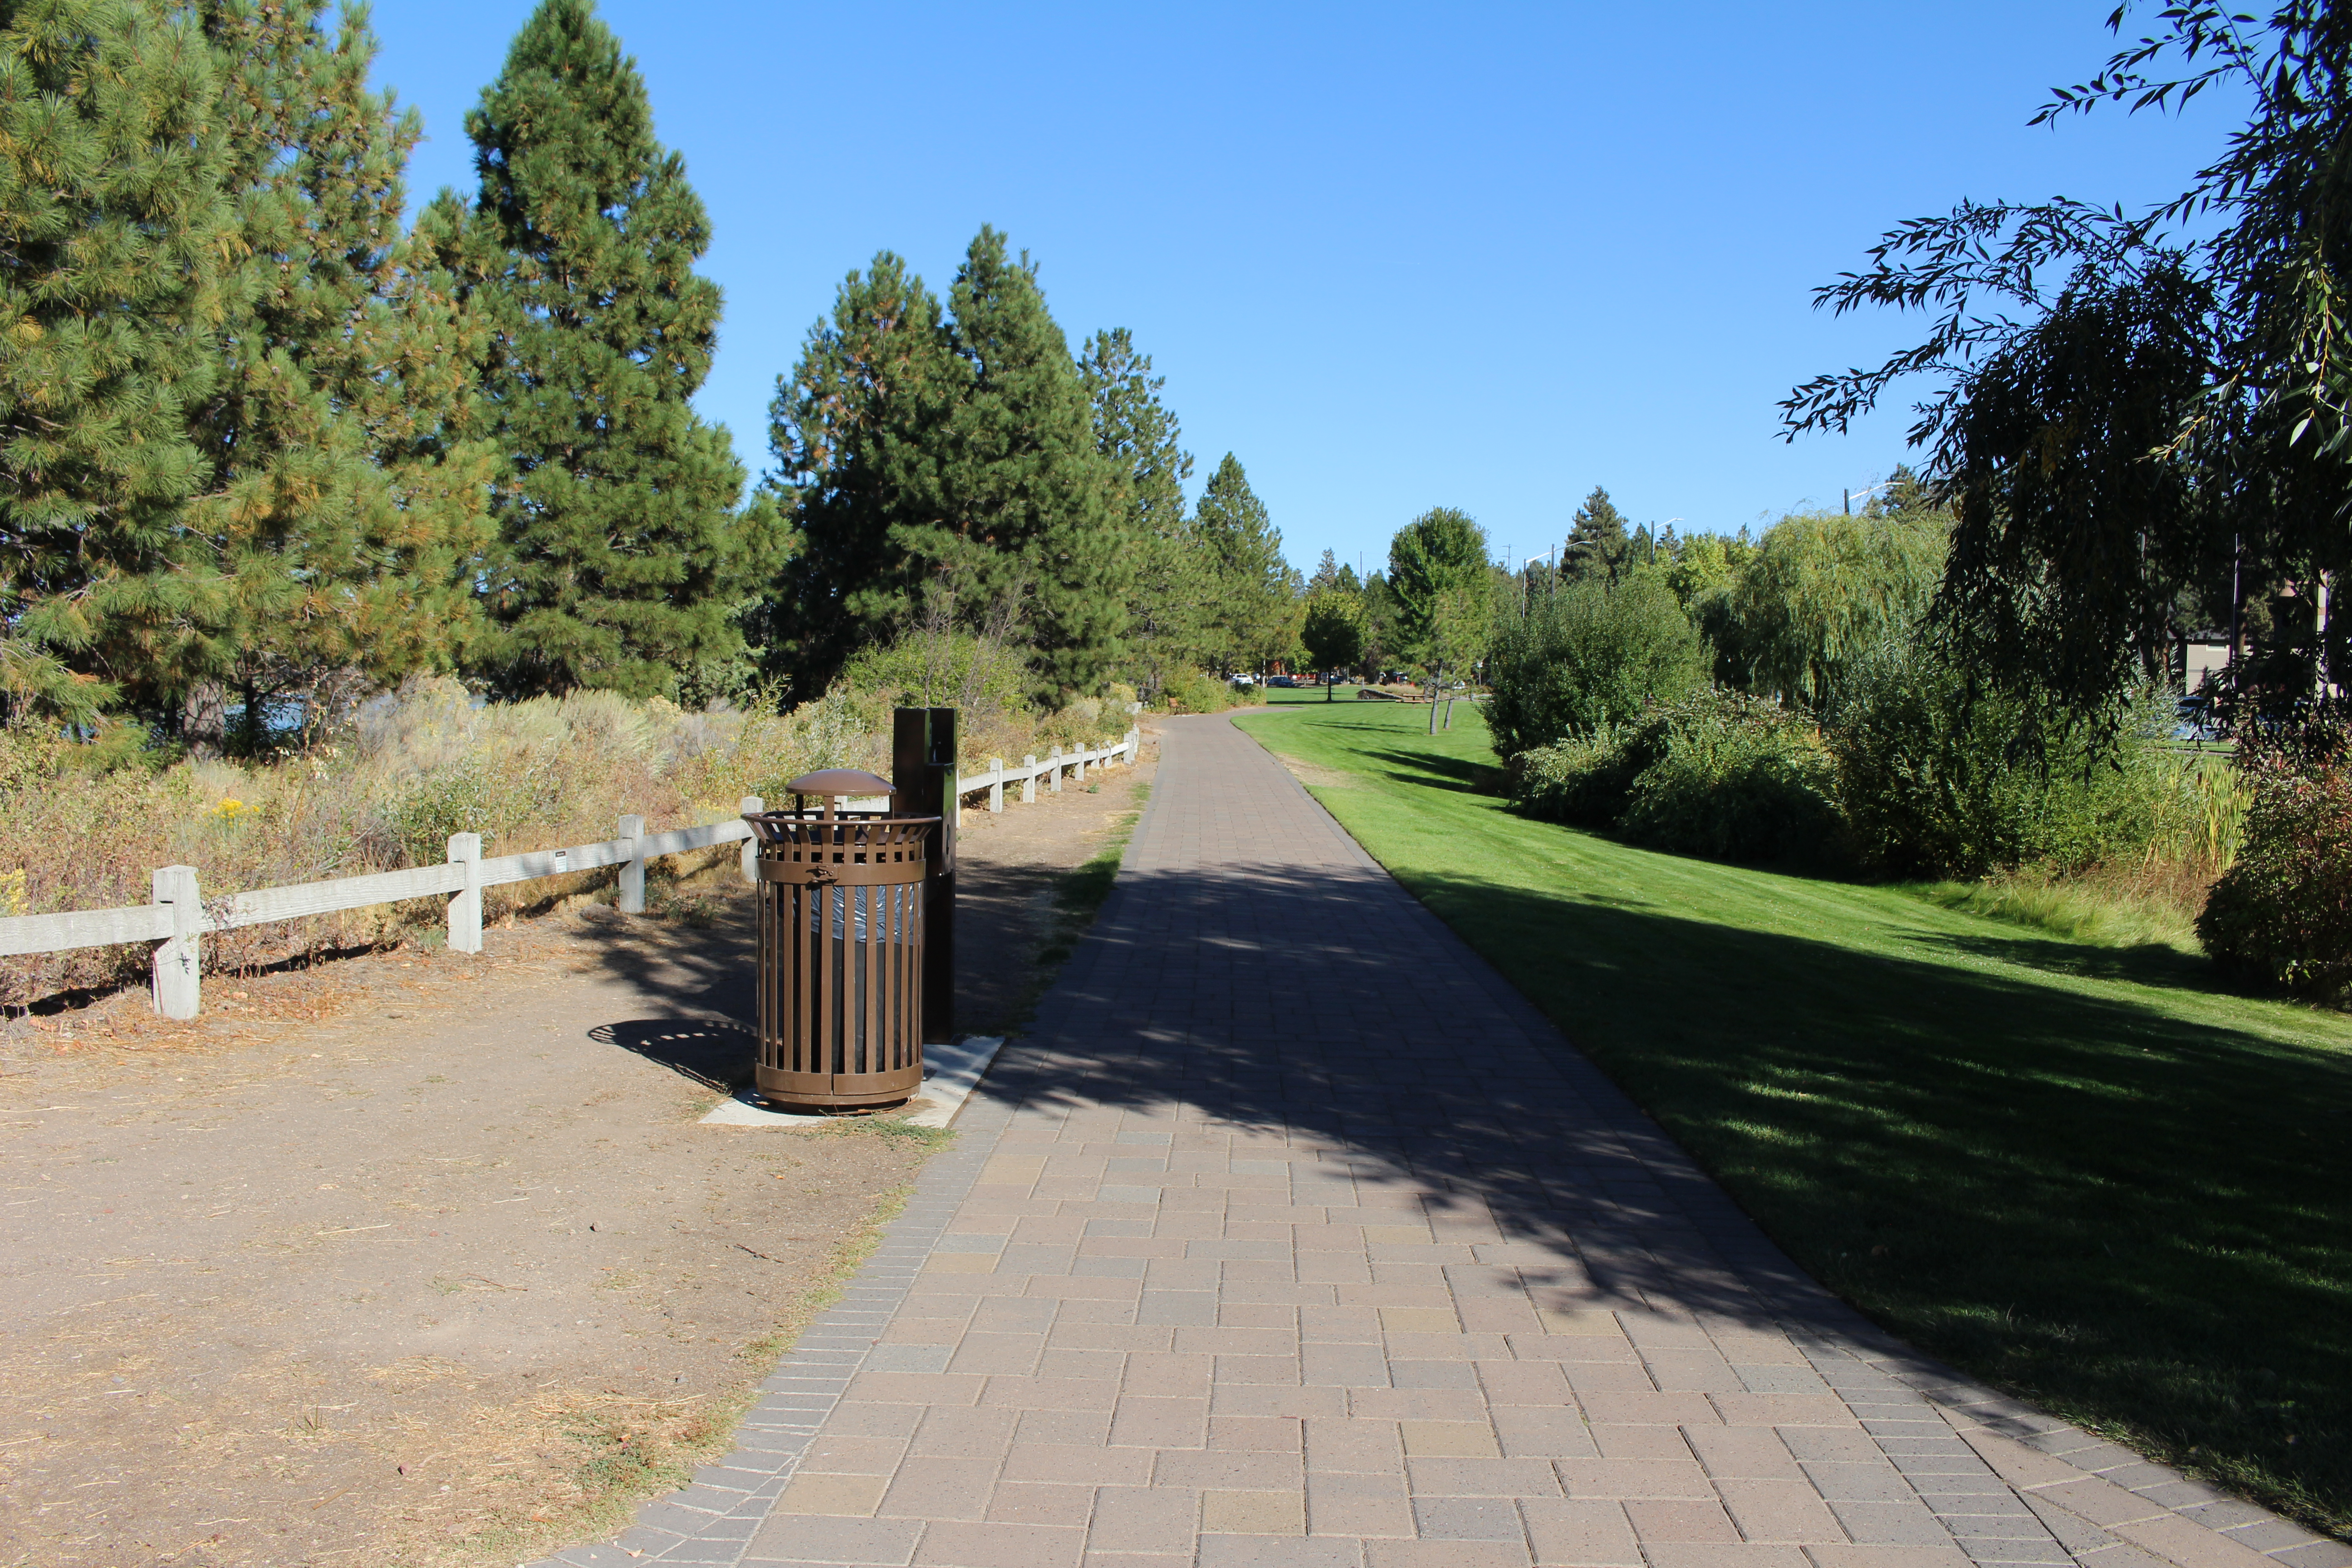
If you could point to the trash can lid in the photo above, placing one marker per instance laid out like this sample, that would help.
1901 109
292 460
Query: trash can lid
840 781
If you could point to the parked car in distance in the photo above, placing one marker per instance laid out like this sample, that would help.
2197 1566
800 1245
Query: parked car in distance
1285 682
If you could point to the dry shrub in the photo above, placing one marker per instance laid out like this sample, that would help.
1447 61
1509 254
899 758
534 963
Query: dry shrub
84 825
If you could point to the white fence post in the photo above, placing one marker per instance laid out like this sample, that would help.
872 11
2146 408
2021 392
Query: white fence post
1057 761
179 961
996 789
752 806
466 904
1082 764
633 865
1029 779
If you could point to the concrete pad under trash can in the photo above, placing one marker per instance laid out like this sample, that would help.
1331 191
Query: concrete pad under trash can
949 1074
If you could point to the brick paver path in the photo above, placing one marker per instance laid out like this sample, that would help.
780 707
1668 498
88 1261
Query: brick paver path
1292 1235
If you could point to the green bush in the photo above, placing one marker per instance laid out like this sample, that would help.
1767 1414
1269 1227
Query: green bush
1712 773
1737 778
1583 780
2281 914
1587 657
1935 781
1194 691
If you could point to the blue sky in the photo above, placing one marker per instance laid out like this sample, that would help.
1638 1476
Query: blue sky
1393 257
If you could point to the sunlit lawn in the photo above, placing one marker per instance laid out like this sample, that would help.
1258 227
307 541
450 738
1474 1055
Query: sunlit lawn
2078 1172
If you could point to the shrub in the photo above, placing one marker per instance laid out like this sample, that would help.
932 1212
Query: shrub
1936 781
1737 778
1712 773
2283 914
1582 780
1194 691
1587 657
981 676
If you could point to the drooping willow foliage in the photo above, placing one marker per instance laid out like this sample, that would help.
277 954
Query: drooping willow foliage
2137 429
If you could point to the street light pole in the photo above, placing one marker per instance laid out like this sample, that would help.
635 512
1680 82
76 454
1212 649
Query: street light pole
1866 492
1654 536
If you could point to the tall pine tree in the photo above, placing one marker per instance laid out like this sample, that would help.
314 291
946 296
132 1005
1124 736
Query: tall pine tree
349 507
1028 506
950 470
622 560
1597 545
113 224
1253 612
1139 434
857 429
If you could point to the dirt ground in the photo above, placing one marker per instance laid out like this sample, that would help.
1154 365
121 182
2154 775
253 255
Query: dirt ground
417 1259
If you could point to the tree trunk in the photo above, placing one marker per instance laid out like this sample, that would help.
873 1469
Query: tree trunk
204 719
250 731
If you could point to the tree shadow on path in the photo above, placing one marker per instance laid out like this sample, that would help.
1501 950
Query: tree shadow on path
2127 1209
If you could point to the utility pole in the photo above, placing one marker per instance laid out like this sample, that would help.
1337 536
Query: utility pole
2237 592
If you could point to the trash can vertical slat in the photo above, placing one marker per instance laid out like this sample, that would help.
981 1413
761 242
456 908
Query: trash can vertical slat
801 975
828 994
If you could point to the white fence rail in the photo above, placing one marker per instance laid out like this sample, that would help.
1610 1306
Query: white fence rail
180 915
1051 768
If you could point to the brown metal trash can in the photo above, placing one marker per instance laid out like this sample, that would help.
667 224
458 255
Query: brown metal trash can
841 956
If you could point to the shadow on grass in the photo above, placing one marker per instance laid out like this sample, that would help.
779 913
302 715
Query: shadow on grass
2137 1215
1466 774
2153 963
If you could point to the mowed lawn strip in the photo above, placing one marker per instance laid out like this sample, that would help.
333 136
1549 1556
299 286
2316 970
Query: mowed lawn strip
2077 1171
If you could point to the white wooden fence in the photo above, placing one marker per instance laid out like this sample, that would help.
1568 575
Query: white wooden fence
1055 764
179 914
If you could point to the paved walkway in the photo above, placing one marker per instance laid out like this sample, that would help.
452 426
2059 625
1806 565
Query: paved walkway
1292 1235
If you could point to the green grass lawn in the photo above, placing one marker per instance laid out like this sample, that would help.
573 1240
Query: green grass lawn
2076 1171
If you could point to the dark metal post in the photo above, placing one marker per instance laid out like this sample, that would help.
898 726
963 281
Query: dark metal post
923 766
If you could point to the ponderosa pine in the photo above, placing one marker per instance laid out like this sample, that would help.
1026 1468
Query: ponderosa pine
857 429
1168 592
622 560
348 510
1028 506
1597 543
1252 617
948 471
113 225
